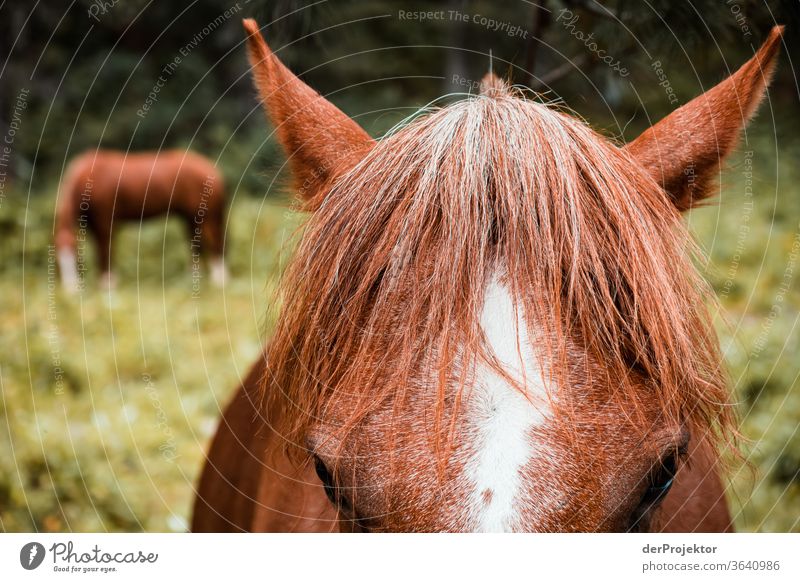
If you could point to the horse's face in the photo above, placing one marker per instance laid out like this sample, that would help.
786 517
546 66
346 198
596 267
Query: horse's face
493 424
518 462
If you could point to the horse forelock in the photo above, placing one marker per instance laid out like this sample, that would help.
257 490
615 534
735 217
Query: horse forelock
387 287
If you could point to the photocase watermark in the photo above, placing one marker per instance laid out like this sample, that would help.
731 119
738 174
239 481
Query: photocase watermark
317 175
81 237
197 235
777 305
423 15
507 28
741 20
502 26
20 105
663 82
68 559
471 85
101 8
168 70
53 334
31 555
314 178
744 227
569 21
169 447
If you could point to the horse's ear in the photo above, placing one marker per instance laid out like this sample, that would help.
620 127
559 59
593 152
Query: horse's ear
684 150
317 136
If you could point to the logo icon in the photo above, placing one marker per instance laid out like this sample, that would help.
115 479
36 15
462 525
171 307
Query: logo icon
31 555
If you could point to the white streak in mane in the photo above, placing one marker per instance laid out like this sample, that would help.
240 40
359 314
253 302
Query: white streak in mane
502 415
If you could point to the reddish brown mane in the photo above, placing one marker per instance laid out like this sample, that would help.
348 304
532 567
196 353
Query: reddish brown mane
398 327
387 284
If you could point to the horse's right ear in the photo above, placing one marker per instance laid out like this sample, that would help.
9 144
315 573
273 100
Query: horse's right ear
317 136
683 151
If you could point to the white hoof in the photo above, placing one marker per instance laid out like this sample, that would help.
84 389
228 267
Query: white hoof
68 267
108 282
219 274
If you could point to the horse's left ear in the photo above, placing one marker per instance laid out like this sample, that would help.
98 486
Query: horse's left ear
683 151
318 138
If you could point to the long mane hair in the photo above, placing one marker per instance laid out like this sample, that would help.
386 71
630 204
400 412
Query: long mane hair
387 285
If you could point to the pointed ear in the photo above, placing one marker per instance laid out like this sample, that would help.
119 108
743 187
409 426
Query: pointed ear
683 151
318 138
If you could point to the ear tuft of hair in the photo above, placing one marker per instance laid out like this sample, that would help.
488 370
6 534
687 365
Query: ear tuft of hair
493 86
258 49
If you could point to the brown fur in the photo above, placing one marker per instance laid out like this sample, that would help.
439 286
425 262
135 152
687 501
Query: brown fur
684 152
256 486
110 187
246 487
317 136
379 341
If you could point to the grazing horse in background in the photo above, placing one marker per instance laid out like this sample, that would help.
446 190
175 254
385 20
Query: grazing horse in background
492 323
103 188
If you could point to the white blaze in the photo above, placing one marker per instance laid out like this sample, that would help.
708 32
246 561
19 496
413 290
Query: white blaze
502 414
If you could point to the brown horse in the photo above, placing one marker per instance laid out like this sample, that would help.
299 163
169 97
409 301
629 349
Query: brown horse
103 188
491 324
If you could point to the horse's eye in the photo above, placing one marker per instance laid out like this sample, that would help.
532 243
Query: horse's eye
331 489
326 478
660 481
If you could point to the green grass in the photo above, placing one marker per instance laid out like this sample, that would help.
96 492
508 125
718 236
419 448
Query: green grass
108 404
754 266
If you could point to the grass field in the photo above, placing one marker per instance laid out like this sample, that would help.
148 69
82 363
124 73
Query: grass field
108 402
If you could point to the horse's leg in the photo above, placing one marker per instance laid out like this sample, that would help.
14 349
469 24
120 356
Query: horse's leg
67 259
206 241
102 235
243 488
65 240
696 502
212 235
66 243
195 247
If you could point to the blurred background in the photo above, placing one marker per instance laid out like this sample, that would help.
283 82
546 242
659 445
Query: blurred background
107 403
